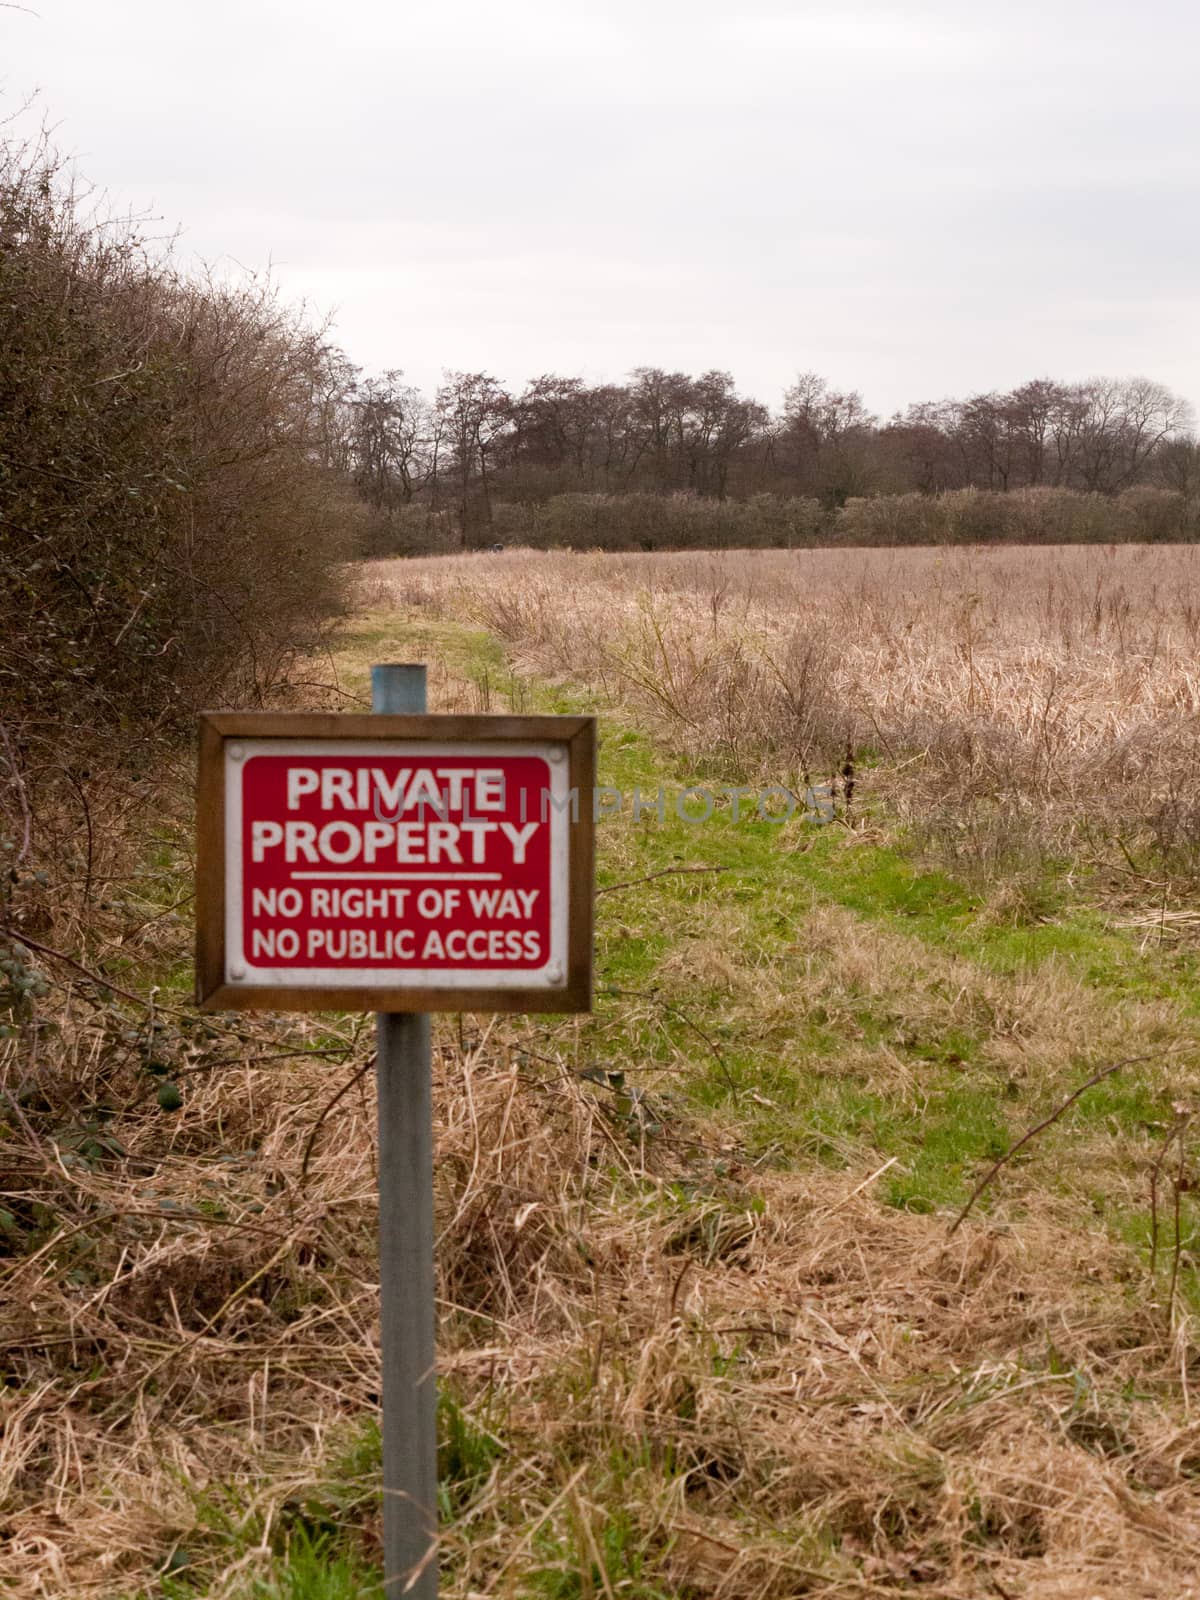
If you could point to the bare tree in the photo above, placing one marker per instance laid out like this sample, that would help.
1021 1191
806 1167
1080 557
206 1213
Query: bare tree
474 411
823 433
393 440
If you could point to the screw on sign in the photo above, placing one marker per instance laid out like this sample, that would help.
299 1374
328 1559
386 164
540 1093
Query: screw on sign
399 863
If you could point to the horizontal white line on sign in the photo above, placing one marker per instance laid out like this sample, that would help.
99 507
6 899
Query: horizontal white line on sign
405 877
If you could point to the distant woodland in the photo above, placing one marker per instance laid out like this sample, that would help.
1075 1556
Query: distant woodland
667 460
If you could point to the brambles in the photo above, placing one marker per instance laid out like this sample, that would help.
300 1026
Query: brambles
20 983
169 1097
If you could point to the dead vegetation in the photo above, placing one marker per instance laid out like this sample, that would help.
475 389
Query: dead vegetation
766 1382
1041 695
686 1353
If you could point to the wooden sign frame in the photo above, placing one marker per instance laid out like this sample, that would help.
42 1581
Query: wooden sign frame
214 993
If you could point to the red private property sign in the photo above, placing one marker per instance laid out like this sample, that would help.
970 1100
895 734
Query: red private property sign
395 863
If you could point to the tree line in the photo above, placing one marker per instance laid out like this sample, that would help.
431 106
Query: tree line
448 461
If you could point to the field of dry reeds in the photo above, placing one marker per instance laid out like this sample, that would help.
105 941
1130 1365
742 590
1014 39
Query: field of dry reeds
1044 691
708 1329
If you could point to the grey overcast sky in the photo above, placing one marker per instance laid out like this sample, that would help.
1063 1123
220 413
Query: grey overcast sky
916 198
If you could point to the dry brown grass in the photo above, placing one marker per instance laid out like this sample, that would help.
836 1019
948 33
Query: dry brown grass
814 1395
1053 687
787 1388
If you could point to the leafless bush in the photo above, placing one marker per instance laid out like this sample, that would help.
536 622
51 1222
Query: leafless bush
403 530
643 521
1021 516
659 522
169 530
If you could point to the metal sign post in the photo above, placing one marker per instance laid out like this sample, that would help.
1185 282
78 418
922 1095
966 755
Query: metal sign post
404 1083
399 863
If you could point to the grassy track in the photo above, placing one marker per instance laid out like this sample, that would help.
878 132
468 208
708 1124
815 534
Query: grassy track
879 1006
